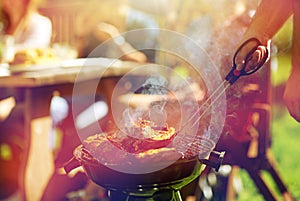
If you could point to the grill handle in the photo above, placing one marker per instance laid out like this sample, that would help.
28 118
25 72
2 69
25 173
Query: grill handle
215 160
71 165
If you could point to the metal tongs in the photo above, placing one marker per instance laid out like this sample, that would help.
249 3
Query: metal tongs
256 55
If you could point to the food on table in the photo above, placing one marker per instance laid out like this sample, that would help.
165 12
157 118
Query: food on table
33 56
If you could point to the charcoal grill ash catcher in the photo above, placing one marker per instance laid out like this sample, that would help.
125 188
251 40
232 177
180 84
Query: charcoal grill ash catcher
157 168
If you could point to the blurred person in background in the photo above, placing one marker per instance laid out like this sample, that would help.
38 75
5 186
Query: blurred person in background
268 19
22 29
110 31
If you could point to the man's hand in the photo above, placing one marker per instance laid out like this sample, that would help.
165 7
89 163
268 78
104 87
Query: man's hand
258 57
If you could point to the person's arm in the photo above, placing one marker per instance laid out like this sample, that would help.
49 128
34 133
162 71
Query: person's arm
105 31
292 90
269 17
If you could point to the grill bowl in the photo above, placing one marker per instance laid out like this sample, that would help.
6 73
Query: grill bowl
173 177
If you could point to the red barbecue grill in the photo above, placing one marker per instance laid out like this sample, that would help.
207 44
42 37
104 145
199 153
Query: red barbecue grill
166 182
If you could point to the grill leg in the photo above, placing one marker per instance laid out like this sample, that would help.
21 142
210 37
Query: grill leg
261 185
177 196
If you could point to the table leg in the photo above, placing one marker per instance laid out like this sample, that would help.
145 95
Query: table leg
38 163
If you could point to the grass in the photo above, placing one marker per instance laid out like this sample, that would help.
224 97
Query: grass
286 134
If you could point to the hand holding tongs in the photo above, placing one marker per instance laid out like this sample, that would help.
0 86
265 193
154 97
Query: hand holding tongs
248 58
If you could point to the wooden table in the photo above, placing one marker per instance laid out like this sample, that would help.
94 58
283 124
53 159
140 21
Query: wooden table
34 86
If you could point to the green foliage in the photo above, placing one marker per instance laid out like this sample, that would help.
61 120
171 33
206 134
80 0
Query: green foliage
283 67
283 37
